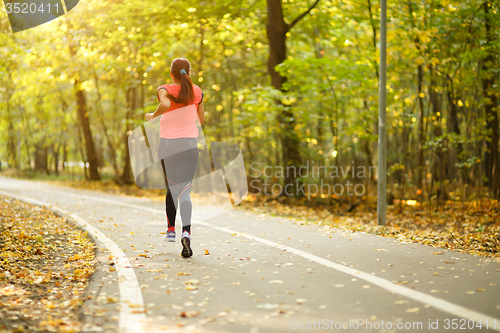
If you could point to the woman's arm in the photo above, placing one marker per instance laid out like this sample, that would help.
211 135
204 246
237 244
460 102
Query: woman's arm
162 108
201 112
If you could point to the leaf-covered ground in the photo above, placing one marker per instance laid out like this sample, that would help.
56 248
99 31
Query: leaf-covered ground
45 264
472 227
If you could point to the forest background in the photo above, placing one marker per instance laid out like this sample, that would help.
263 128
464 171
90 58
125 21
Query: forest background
289 81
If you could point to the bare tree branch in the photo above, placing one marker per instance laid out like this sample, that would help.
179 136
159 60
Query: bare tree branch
301 16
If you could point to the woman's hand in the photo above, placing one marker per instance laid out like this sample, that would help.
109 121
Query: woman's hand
162 108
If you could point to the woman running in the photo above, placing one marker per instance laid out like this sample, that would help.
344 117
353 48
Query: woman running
181 104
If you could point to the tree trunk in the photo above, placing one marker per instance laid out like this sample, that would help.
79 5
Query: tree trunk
111 147
65 155
440 150
490 108
27 146
83 118
374 38
367 144
420 143
55 153
82 153
41 158
11 142
421 131
454 127
131 105
276 34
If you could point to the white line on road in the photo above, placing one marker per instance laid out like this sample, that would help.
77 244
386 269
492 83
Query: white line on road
132 317
435 302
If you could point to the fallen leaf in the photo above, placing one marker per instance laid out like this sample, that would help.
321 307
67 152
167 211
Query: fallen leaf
401 302
412 310
267 306
189 314
47 277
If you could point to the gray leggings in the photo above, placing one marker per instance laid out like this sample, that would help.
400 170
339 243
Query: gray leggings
179 158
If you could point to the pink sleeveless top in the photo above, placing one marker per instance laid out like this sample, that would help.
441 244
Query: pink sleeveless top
180 120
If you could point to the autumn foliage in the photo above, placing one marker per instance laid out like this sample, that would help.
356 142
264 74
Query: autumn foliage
45 265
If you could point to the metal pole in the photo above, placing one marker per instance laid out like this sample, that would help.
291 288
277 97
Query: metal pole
382 129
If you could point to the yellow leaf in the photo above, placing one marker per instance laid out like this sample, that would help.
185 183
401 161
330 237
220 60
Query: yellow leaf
189 314
412 310
47 277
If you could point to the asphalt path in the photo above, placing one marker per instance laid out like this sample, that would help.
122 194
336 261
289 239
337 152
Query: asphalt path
258 273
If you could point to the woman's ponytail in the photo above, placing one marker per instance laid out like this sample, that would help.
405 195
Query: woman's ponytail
180 70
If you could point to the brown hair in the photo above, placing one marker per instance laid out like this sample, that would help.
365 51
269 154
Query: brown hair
186 94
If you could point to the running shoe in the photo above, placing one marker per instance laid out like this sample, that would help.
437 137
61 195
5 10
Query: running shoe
170 236
186 245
